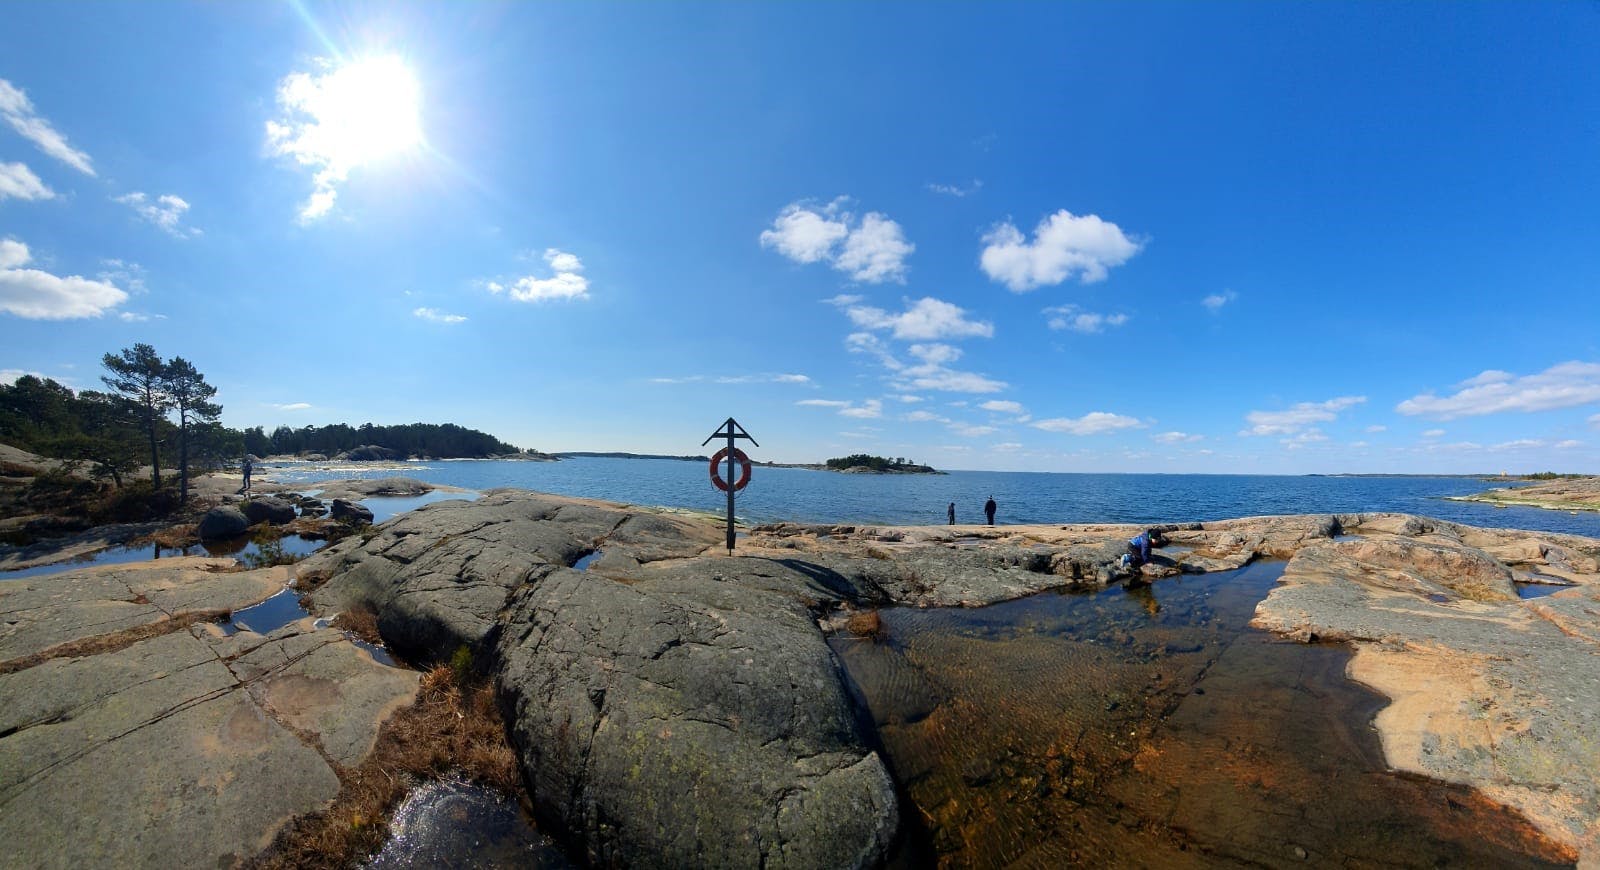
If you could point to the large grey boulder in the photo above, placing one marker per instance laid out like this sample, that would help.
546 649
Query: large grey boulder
222 522
351 510
269 509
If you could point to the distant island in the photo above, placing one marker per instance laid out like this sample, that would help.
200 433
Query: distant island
369 442
862 463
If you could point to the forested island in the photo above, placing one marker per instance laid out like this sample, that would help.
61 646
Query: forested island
863 463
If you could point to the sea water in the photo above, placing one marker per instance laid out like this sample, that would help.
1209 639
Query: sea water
806 495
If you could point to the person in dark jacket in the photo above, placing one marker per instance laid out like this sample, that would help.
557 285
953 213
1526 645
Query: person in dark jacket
951 512
1139 547
989 509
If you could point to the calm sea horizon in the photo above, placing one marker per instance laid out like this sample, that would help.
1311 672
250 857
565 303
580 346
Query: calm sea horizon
811 496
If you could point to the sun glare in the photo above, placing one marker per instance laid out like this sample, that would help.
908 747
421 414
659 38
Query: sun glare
371 110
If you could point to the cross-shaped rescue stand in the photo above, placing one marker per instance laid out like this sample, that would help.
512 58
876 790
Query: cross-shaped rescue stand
730 430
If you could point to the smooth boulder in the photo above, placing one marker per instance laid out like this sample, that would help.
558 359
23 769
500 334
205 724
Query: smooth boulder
222 522
350 510
269 509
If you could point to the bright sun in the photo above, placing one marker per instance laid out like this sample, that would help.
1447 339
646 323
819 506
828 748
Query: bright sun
371 109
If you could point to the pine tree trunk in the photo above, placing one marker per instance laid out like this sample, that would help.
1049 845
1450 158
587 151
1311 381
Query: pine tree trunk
183 460
155 456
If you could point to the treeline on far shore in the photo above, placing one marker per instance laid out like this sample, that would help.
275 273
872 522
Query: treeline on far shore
159 414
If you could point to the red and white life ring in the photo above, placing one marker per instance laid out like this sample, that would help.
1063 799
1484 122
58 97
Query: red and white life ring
744 469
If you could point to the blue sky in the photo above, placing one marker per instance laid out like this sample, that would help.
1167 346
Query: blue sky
1076 237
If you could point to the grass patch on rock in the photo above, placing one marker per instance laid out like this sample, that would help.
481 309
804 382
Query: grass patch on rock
454 727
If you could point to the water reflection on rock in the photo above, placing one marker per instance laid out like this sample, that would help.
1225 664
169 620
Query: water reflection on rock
462 825
1151 727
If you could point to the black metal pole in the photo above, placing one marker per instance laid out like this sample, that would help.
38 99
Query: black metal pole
731 479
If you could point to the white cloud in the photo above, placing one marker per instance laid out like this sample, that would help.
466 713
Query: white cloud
1433 433
138 317
967 430
871 409
1006 446
1063 245
957 382
1568 444
123 274
293 406
1301 439
791 379
1595 421
873 249
907 398
1073 318
926 319
1298 417
18 182
1564 385
165 211
844 299
566 283
10 376
1377 428
344 117
924 417
1215 301
1177 438
956 190
438 316
38 295
1092 423
823 403
17 111
1002 407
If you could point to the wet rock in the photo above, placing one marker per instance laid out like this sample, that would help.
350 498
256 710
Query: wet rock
222 522
268 509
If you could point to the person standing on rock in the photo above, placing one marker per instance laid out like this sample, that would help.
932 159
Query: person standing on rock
248 467
989 509
951 513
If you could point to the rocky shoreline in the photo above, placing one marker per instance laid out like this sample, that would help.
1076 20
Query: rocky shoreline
1571 494
671 705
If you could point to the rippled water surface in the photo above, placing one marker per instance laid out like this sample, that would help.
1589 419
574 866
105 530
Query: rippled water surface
1150 727
804 495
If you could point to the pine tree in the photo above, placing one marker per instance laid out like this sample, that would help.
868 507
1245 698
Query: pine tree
138 375
190 396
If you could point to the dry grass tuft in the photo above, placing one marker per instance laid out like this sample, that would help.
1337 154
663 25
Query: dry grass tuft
451 727
865 623
360 622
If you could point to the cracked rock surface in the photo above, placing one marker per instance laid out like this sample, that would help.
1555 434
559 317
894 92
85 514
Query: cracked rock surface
156 742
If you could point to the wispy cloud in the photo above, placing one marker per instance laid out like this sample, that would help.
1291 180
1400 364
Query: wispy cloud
823 403
1299 417
566 282
1177 438
923 320
956 190
138 317
1433 433
871 409
1064 245
18 111
1215 301
165 211
39 295
9 376
1003 407
737 379
968 430
437 316
292 406
18 182
1564 385
872 249
1092 423
1076 319
1376 428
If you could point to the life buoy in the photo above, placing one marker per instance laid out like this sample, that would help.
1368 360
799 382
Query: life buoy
744 469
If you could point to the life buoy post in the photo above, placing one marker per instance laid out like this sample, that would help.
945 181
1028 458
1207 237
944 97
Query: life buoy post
732 431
